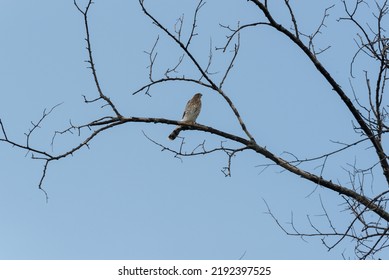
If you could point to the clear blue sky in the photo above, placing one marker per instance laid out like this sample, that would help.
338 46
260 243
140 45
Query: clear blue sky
125 199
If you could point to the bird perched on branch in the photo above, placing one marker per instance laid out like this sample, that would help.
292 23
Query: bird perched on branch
192 111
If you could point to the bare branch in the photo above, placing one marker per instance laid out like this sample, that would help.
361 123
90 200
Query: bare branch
178 26
318 31
200 150
236 51
194 24
237 31
152 56
293 18
91 61
174 69
37 125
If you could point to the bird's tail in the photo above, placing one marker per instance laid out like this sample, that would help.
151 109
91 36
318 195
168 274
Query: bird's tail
175 133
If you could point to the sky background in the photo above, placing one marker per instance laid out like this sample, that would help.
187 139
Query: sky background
126 199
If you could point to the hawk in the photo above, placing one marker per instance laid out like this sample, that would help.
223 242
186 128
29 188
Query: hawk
192 111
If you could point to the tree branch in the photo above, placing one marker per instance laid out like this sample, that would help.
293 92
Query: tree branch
336 87
90 61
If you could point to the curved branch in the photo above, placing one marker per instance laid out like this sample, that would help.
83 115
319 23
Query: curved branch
337 88
171 79
236 31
